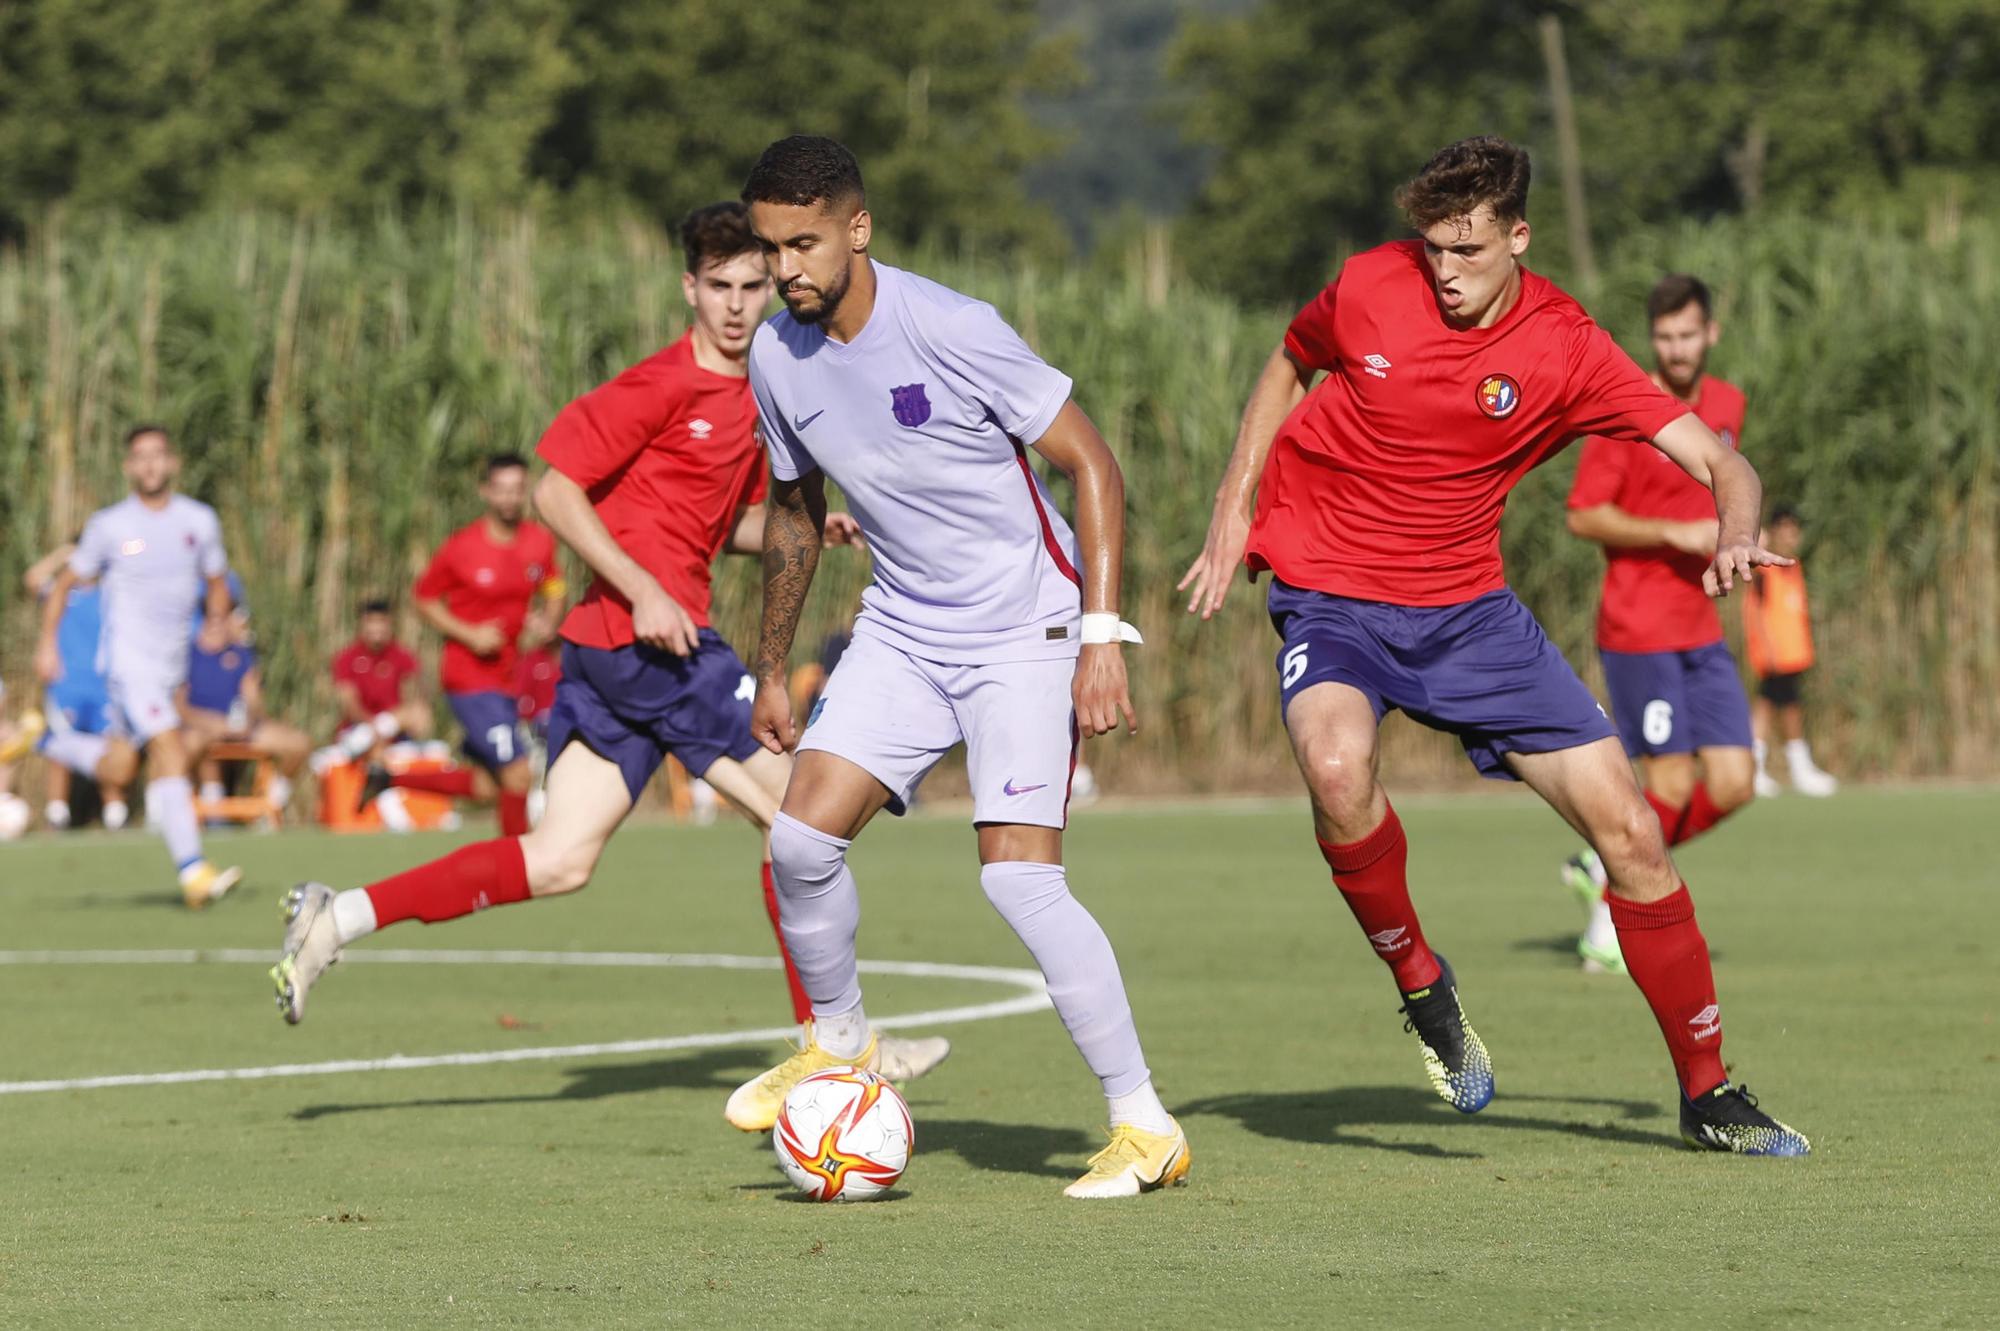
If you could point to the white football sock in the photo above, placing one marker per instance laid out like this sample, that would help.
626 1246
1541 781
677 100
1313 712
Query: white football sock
1761 750
116 815
1798 756
842 1034
279 791
353 915
212 792
170 804
56 814
1601 933
1142 1109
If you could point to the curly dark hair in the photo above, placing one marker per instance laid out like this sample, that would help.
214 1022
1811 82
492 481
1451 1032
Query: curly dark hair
716 234
805 169
1464 176
1677 291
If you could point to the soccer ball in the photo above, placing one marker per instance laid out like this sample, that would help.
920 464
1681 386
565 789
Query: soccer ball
844 1135
15 815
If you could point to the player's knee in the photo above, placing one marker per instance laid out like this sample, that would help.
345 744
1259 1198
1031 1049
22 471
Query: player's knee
804 862
556 869
1341 776
1730 792
1631 842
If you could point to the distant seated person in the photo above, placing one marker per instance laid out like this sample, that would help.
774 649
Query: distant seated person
223 700
76 706
372 679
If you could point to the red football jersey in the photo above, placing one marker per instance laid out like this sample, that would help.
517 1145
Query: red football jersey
1388 480
668 453
377 676
1653 601
484 582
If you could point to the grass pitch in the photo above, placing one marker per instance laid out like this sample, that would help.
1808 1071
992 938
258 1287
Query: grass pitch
1855 948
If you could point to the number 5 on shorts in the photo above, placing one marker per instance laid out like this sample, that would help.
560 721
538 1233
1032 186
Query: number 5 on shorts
1294 664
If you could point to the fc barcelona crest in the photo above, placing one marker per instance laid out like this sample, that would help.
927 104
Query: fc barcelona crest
912 408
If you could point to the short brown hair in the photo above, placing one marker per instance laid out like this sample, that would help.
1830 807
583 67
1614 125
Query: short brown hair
1677 291
716 234
1461 178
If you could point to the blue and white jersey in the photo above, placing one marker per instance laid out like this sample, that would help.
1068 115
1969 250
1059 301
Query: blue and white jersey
151 564
924 421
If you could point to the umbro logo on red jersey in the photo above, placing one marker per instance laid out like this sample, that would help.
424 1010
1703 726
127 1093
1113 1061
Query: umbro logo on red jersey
1390 940
699 428
1376 365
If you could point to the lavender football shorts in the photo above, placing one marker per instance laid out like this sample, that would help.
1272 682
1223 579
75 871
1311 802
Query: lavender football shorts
894 716
1677 702
1482 670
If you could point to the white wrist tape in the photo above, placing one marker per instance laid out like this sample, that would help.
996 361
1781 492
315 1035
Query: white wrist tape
1104 626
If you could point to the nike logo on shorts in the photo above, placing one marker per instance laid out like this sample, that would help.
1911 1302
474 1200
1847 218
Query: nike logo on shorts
1011 789
800 423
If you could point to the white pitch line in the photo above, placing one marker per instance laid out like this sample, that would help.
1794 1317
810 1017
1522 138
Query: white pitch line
1034 1000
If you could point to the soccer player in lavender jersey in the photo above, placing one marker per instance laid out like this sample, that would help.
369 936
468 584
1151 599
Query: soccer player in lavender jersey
650 476
1675 693
1451 372
157 555
481 591
983 623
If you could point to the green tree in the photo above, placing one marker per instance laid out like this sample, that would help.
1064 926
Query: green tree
679 97
1684 107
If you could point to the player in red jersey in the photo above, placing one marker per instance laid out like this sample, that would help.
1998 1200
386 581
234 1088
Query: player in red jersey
1675 693
650 477
480 592
370 678
1451 371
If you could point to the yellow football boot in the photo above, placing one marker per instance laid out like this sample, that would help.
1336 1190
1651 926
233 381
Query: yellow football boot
754 1105
202 883
28 728
1135 1162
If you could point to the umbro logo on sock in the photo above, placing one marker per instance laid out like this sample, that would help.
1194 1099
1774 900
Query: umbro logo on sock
1390 940
1706 1023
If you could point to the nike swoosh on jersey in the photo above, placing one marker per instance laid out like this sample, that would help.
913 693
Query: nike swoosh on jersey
799 423
1011 789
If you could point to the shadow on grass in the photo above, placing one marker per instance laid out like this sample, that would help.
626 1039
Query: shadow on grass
1564 945
1013 1148
711 1070
1343 1116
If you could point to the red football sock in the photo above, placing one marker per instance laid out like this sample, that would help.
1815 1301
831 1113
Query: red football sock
1370 874
489 873
452 781
1670 816
1700 814
513 811
1668 959
802 1008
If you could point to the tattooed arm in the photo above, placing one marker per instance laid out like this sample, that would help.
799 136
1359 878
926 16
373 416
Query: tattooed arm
792 538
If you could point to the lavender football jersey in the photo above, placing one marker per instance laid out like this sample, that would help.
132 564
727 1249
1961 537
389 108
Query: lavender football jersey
152 565
923 421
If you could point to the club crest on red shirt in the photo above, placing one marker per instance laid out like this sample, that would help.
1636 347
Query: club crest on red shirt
1498 396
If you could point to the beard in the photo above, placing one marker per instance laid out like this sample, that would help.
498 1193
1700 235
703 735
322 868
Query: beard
829 299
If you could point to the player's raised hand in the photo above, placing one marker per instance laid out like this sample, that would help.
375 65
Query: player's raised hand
771 717
842 529
658 620
1738 562
1100 693
1221 556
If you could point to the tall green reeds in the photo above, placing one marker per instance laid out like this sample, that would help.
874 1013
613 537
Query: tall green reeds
334 389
